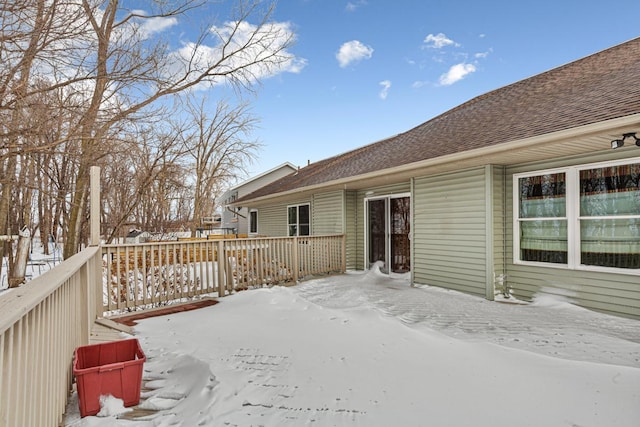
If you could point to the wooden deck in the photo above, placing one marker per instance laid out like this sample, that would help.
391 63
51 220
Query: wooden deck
106 330
121 327
44 321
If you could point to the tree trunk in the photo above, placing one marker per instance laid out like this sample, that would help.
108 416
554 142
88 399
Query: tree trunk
77 213
18 270
5 203
17 117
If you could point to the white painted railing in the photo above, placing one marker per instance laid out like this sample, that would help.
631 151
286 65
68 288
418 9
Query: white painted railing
144 275
45 320
41 324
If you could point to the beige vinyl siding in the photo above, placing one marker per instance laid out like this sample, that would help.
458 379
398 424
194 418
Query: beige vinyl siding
326 210
498 206
350 214
449 236
403 187
272 220
611 293
327 214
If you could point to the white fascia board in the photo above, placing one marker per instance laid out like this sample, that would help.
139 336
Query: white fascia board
594 128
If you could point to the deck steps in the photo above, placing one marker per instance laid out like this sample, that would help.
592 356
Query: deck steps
106 330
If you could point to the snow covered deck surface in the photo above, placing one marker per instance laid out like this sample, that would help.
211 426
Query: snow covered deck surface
362 349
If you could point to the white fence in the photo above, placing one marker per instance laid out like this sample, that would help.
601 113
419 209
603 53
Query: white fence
41 324
150 274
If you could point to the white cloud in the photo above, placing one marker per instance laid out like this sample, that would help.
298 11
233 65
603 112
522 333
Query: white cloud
255 53
294 65
438 41
148 26
155 25
353 51
386 85
418 84
456 73
481 55
352 6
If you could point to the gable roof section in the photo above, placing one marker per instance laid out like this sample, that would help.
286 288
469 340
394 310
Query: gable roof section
600 87
285 165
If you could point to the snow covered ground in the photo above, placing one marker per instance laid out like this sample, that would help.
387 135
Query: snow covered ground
37 264
364 349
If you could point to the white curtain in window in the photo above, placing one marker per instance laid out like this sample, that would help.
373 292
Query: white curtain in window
606 195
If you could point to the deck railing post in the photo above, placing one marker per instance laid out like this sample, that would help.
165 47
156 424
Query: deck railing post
94 212
344 255
98 288
295 261
220 264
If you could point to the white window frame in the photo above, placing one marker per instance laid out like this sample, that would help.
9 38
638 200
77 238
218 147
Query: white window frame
251 222
297 224
572 200
388 198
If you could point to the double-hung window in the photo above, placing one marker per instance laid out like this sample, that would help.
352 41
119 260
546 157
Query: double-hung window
542 218
584 216
298 222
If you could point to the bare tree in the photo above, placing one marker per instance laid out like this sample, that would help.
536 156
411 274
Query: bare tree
28 30
81 84
217 148
124 59
141 162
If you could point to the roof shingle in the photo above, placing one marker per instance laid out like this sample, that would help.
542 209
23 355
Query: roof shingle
602 86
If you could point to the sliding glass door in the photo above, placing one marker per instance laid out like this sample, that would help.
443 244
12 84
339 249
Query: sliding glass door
387 233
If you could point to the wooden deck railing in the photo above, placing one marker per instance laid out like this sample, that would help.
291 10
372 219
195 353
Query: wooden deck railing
41 324
45 320
144 275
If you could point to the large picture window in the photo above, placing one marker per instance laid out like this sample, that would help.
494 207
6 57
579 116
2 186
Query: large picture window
580 217
298 222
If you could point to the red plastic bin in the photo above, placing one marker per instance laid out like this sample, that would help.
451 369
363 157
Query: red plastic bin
113 368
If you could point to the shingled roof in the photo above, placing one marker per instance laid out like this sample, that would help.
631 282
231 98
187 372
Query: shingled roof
600 87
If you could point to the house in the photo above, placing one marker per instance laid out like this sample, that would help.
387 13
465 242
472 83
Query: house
137 236
533 187
237 219
210 225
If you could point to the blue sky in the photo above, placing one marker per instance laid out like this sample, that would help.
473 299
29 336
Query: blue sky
365 70
407 50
